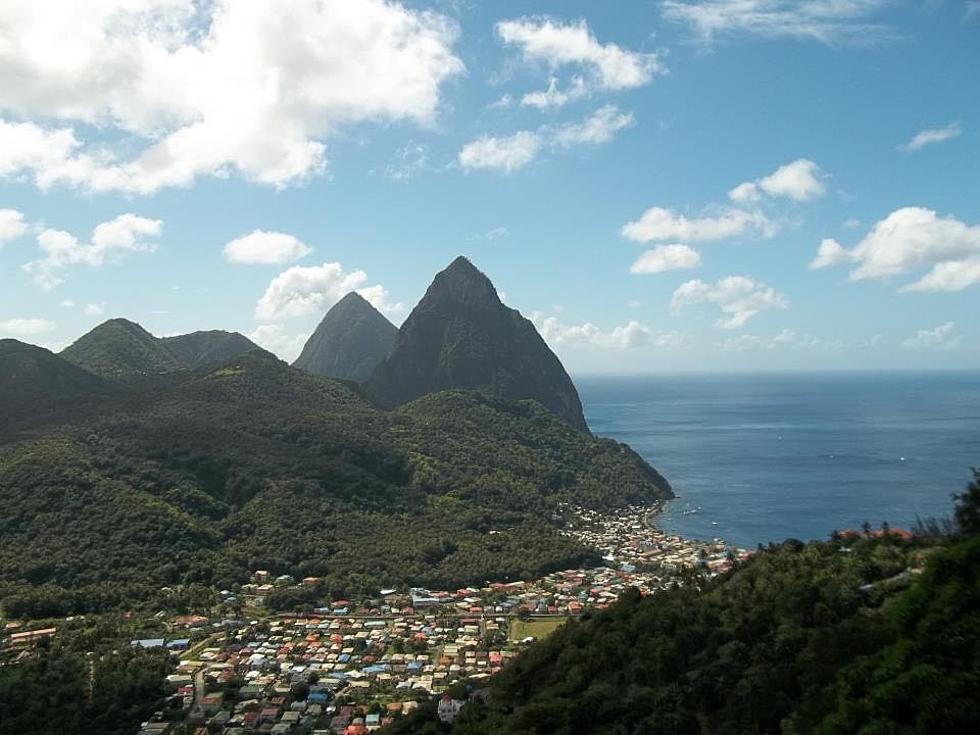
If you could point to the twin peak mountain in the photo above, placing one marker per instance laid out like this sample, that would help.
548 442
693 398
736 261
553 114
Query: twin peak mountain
459 336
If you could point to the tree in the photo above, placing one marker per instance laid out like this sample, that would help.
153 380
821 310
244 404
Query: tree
967 513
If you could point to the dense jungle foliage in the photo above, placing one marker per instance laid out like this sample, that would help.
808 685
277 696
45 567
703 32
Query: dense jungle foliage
868 635
202 477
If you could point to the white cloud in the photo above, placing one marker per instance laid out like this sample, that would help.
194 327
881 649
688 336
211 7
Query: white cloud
494 233
303 290
600 127
739 298
553 96
516 151
25 327
503 102
94 309
410 160
932 135
972 10
666 258
800 180
658 223
939 338
127 233
265 248
275 339
559 44
505 154
786 339
380 299
12 225
829 252
912 238
830 22
951 275
632 335
207 88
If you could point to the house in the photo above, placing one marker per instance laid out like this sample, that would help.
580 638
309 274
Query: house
29 637
449 708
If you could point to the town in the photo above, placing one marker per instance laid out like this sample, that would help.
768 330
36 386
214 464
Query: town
350 667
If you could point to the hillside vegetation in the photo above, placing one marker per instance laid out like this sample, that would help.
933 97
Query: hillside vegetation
258 465
874 635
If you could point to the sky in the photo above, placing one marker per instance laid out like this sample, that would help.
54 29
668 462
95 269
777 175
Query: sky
659 185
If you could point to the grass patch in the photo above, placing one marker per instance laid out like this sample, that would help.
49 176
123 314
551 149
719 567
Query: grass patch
226 372
535 628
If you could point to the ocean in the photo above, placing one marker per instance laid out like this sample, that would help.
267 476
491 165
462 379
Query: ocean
764 457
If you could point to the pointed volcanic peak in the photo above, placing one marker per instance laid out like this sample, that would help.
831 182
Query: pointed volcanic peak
207 348
350 341
462 336
121 348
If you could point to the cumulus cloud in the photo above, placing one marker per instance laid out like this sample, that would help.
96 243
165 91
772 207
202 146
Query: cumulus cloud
632 335
942 337
553 96
277 340
24 327
666 258
93 309
831 22
299 291
12 225
558 44
908 239
207 88
800 180
931 136
503 154
265 248
381 300
508 154
740 298
600 127
127 233
658 223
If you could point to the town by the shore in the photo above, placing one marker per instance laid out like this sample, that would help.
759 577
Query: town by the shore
350 666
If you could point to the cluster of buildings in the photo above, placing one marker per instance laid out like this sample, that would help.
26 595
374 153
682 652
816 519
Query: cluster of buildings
350 667
630 540
346 675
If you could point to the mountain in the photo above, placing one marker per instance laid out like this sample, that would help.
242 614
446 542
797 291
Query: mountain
350 341
208 475
121 348
200 349
461 335
35 383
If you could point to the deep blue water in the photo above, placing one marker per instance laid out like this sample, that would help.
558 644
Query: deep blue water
773 456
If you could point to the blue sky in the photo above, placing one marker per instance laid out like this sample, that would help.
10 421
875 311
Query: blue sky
660 186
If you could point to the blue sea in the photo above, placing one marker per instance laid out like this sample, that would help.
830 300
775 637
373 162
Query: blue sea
764 457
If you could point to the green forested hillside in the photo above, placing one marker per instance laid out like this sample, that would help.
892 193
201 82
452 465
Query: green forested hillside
259 465
120 348
874 635
210 347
